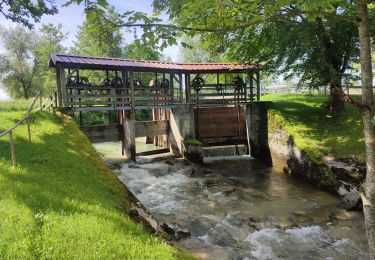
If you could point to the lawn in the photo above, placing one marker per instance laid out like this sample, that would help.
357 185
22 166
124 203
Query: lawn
304 117
61 201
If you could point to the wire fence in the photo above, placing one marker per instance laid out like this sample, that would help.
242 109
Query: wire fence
47 104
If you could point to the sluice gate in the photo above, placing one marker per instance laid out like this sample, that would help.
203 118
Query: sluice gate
212 103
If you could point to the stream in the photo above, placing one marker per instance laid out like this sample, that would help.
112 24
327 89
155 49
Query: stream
237 208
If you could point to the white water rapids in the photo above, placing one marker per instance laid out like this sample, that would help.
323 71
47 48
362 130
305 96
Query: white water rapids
236 208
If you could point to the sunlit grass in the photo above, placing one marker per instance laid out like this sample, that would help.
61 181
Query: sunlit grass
304 117
61 201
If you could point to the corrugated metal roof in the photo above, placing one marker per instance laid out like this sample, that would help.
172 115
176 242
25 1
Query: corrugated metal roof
88 62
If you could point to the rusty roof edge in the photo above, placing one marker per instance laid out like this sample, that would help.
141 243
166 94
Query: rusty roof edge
182 66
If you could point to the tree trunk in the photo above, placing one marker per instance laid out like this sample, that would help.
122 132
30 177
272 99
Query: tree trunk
368 191
336 104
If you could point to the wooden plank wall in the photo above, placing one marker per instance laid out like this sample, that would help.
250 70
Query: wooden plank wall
151 128
220 122
115 132
103 133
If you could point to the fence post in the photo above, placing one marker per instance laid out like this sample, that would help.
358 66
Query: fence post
12 149
51 104
28 126
40 101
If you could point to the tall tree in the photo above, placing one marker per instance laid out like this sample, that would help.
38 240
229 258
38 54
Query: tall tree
50 41
137 50
21 11
98 37
17 64
368 192
195 50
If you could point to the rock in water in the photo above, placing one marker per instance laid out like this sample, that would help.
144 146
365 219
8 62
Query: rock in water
189 171
175 230
352 201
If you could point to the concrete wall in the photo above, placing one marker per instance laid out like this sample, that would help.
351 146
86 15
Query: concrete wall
257 130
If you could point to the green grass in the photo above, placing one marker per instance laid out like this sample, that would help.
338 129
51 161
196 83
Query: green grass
192 142
304 117
61 201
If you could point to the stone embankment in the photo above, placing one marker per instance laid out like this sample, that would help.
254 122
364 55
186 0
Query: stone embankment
342 177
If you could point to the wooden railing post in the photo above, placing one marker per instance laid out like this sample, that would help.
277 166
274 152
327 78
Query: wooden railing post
50 104
12 149
28 126
40 102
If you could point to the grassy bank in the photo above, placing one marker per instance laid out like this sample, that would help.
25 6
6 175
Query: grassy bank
61 201
304 117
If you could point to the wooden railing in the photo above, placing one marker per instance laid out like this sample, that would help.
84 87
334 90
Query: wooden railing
223 94
83 98
47 104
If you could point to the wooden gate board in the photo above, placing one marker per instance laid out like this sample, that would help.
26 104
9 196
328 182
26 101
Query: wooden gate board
115 132
103 133
220 122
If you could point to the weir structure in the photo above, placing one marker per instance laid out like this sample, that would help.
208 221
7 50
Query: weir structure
193 104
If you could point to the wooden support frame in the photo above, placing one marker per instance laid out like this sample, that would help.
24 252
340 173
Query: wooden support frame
59 91
187 88
251 84
62 80
171 86
258 84
131 78
180 83
129 136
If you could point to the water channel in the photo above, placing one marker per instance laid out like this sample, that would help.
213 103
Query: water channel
237 208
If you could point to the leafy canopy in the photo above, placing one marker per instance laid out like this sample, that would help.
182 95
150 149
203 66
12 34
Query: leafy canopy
26 12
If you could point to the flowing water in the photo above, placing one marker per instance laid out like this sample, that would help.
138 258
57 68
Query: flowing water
237 208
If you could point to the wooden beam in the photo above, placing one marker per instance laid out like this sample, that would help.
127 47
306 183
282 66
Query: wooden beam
103 133
151 128
181 88
129 136
258 85
131 78
251 83
58 83
171 77
64 93
187 88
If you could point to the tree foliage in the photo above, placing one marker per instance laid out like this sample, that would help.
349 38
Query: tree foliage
22 11
17 65
23 65
138 50
50 41
98 37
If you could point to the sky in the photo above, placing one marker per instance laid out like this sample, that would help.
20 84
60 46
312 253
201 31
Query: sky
72 16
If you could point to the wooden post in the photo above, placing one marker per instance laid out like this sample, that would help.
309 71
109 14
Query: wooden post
28 126
131 78
245 91
251 83
187 88
129 136
12 149
40 102
55 93
63 86
51 104
181 88
171 87
258 85
58 95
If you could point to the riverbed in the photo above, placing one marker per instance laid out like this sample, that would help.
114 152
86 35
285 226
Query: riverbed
238 208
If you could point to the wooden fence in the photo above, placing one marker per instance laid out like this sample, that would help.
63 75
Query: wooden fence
47 104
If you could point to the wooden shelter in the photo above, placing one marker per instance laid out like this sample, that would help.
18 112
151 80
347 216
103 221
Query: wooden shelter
124 85
189 100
